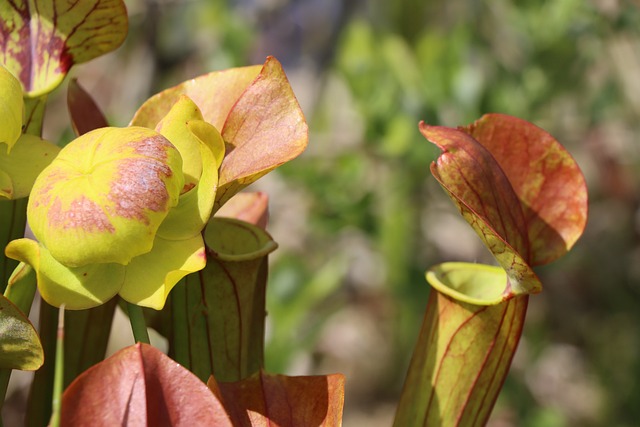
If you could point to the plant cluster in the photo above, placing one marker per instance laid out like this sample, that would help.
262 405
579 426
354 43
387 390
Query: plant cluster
152 216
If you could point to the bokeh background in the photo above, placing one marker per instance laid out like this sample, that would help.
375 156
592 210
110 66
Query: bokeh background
359 218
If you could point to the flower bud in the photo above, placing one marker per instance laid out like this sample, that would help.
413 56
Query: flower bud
105 195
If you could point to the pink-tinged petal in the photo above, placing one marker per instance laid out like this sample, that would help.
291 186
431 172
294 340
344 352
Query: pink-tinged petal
214 93
265 129
256 111
105 195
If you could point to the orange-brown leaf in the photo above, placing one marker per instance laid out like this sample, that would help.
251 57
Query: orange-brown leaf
267 400
546 179
256 112
139 385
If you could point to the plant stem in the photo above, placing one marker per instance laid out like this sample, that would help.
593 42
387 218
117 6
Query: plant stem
58 378
138 325
14 218
180 330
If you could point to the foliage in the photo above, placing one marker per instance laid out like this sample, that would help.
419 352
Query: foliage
387 207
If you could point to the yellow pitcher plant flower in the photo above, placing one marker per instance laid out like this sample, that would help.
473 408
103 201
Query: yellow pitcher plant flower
121 210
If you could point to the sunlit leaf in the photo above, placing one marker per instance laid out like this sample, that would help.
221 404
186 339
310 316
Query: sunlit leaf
139 385
41 39
84 112
20 346
527 213
267 400
471 177
214 93
264 129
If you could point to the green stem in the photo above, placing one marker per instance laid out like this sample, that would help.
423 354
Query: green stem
5 375
58 378
138 325
14 218
180 329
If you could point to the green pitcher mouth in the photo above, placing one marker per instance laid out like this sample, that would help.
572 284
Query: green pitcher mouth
477 284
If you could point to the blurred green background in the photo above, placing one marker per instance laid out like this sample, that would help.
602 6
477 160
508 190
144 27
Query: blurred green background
359 218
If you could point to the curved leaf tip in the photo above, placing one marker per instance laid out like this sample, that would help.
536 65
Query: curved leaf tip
546 178
518 188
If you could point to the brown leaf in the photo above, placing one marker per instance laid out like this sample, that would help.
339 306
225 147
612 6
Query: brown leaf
140 386
83 110
267 400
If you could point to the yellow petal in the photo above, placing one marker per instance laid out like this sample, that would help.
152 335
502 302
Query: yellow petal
150 277
195 206
76 288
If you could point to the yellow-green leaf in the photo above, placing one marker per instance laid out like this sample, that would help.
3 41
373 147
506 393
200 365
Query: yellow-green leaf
20 346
